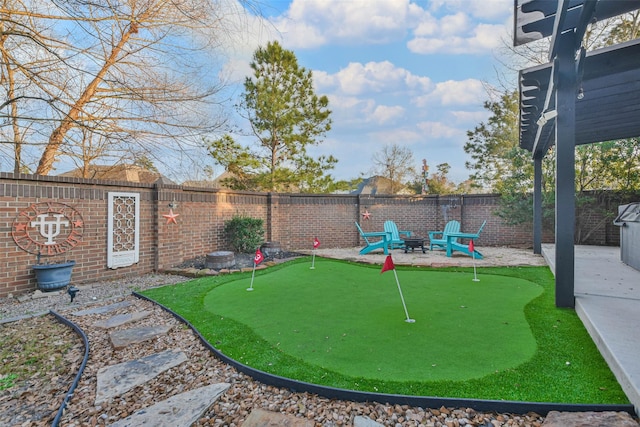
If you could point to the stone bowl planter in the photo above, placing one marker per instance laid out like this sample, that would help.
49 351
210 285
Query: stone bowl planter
51 277
220 259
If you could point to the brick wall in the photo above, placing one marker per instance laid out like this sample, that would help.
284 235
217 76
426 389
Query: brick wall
293 220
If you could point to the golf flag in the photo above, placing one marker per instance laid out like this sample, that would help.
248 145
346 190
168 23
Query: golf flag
258 258
472 249
316 243
388 264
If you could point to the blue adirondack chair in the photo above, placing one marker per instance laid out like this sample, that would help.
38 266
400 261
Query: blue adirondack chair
372 245
464 248
439 238
397 241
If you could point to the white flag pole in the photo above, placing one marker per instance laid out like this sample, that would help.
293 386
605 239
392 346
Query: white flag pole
313 259
408 320
253 273
473 256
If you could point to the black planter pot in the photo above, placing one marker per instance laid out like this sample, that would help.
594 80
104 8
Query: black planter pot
51 277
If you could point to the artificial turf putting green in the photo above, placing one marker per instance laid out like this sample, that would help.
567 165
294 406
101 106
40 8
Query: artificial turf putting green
350 319
565 367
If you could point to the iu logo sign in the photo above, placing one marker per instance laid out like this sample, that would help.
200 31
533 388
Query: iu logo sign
48 228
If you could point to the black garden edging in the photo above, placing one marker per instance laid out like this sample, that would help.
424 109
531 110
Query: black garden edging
85 341
501 406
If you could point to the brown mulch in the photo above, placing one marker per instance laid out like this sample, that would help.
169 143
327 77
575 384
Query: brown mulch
46 357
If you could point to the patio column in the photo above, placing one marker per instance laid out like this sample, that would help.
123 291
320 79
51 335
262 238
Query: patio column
537 205
565 171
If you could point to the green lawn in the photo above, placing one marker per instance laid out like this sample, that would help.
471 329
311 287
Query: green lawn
343 325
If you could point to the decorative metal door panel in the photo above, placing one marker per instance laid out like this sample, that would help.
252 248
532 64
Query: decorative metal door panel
123 231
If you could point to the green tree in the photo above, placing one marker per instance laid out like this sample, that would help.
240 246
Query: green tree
493 144
439 182
285 116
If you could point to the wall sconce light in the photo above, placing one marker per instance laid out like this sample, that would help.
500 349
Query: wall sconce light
580 93
546 116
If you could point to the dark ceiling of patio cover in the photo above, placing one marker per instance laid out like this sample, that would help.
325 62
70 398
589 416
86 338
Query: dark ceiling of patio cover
610 79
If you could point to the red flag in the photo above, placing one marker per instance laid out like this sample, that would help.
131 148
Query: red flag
258 258
471 247
388 264
316 243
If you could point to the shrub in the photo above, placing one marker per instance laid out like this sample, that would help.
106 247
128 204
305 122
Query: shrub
245 233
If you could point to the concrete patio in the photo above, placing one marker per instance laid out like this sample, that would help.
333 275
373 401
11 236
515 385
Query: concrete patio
608 303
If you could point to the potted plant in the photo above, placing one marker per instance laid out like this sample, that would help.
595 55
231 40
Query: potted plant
51 277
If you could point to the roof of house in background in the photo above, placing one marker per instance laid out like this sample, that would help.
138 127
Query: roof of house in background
378 185
210 183
128 173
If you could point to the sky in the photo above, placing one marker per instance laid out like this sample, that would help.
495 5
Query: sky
411 73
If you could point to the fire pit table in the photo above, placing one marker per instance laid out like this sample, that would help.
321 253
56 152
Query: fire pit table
413 242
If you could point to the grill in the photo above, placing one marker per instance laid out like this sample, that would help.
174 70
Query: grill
628 220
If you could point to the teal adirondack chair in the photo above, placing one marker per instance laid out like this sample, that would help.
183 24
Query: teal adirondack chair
372 245
396 235
439 238
464 248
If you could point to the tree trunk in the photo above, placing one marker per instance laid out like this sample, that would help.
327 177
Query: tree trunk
57 136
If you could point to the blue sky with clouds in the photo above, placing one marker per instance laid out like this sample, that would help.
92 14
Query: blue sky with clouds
413 73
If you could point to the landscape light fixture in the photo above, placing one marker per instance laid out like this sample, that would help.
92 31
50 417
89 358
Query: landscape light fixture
72 291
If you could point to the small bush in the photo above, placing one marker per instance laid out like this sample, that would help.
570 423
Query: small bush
245 233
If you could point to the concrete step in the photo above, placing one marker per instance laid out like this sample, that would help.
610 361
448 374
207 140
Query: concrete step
102 310
589 419
121 339
121 319
117 379
262 418
179 410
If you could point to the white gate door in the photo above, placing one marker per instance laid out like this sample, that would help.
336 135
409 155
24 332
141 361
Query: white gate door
123 230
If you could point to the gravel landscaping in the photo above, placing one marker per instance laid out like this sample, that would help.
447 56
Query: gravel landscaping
35 400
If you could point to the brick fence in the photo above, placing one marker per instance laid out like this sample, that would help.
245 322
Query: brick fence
293 220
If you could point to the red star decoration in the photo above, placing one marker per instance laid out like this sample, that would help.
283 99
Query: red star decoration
77 223
366 215
21 226
171 217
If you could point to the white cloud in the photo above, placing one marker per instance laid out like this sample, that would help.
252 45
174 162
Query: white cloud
310 23
470 117
384 114
483 9
398 136
378 77
451 92
481 39
314 23
451 25
439 130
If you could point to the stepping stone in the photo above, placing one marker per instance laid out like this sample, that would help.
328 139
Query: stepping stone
118 379
121 339
262 418
103 309
121 319
360 421
180 410
589 419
